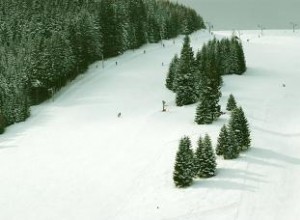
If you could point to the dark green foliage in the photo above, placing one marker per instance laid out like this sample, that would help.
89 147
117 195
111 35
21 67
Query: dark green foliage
231 103
238 54
245 131
203 113
45 44
232 151
172 73
239 126
231 55
185 84
223 141
198 157
209 85
184 165
2 124
205 161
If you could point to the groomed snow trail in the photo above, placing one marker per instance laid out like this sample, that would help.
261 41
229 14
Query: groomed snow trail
74 159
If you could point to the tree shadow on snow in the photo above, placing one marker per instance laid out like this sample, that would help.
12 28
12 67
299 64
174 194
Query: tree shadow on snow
267 154
260 161
222 184
239 174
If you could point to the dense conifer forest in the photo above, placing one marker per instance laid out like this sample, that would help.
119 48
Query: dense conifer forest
45 44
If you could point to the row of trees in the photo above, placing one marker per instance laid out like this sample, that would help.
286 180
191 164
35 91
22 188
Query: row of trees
199 78
189 165
44 44
233 139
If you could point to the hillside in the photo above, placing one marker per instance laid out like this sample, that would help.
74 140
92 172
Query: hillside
74 159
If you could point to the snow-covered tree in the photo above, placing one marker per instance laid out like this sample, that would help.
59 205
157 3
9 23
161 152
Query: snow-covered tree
198 161
209 87
203 112
185 80
45 44
238 125
184 164
223 141
205 158
244 131
232 150
172 73
231 103
241 58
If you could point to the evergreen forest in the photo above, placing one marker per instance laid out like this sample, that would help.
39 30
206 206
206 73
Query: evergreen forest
45 44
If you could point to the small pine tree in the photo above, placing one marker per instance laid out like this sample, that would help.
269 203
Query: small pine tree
171 74
223 141
231 103
239 125
198 157
232 150
235 126
184 165
206 159
245 131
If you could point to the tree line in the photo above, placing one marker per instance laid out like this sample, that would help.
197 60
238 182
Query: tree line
44 44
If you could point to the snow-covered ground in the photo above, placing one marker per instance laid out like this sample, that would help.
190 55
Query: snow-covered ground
74 159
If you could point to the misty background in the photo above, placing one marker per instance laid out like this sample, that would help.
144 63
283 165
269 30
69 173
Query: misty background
247 14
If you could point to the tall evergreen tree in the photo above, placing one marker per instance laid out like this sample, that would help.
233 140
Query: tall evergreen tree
235 127
234 56
198 158
184 164
185 80
239 126
223 141
172 73
241 58
244 131
232 151
205 157
231 103
209 87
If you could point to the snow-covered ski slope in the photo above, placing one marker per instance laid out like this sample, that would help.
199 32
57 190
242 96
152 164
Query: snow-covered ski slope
74 159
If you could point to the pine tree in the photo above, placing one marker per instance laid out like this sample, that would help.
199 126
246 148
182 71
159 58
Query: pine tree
184 165
172 73
205 157
235 127
241 58
239 125
245 131
185 81
223 141
203 112
212 85
198 161
231 103
225 53
232 150
209 88
233 58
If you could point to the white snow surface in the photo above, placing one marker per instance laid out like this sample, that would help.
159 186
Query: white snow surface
74 159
